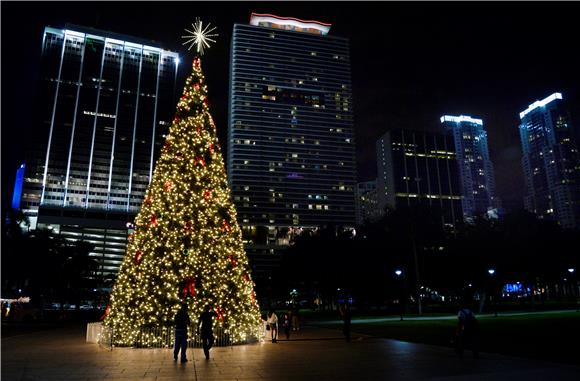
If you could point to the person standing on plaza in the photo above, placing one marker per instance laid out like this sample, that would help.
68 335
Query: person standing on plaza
467 334
295 319
273 323
181 322
346 318
206 323
287 323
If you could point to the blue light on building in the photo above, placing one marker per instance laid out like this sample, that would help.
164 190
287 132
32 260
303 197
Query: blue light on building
17 195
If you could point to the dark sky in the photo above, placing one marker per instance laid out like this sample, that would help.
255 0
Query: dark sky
411 63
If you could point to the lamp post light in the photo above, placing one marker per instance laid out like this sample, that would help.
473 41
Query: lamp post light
398 273
575 285
491 272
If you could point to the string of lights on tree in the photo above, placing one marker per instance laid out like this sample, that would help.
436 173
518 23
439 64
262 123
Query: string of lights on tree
187 245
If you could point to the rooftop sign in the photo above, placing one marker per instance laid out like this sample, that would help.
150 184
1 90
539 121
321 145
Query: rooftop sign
290 23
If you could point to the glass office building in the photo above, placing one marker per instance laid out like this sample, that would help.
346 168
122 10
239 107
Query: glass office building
291 153
106 101
551 162
415 167
475 166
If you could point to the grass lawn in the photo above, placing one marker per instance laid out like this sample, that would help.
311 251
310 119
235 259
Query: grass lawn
546 336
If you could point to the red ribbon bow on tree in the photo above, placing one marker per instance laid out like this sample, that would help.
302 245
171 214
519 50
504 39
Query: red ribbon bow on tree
189 287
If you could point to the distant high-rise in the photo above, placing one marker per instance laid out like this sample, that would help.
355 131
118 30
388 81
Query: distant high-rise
366 202
475 167
551 162
105 102
419 168
291 153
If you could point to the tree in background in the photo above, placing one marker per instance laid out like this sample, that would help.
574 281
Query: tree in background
187 245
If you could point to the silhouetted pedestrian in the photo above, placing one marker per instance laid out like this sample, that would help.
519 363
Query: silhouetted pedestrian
273 324
206 323
287 323
346 318
181 322
467 335
295 319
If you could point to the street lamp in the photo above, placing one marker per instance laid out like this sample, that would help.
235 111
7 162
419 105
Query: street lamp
398 273
571 271
491 272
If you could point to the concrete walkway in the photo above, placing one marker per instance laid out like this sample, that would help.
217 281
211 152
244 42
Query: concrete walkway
311 354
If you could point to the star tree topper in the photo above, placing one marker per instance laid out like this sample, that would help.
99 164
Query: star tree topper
200 36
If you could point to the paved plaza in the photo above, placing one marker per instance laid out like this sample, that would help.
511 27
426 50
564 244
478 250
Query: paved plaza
312 354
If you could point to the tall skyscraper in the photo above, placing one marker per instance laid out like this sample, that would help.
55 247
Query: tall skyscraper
105 102
475 166
291 153
551 162
417 167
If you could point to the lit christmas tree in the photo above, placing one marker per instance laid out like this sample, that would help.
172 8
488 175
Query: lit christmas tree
187 245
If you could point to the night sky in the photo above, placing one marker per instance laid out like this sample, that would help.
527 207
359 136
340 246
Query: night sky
411 63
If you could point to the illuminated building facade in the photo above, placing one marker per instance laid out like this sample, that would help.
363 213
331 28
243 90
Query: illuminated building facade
367 202
416 167
105 102
475 166
291 153
551 162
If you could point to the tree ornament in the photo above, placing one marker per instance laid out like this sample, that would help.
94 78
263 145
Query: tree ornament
233 261
226 226
189 288
107 311
220 313
168 186
188 227
138 255
207 194
153 220
201 37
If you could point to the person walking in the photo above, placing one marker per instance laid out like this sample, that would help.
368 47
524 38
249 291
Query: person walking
206 324
181 322
346 318
287 323
467 334
295 319
273 324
